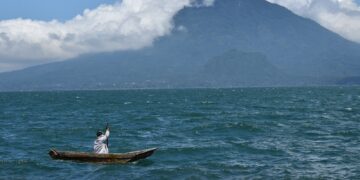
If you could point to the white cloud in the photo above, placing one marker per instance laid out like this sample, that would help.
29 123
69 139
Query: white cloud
126 25
339 16
208 2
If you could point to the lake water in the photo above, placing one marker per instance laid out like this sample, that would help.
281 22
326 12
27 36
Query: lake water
201 133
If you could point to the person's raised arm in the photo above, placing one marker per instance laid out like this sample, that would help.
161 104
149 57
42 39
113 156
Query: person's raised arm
107 132
105 136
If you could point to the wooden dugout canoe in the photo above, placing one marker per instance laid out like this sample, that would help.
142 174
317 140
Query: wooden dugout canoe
102 158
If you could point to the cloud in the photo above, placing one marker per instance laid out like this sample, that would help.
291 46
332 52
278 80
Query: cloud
339 16
202 3
125 25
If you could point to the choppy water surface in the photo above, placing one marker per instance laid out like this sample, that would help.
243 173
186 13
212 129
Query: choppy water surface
201 133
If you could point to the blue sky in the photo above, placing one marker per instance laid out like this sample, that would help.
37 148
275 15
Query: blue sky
46 9
49 9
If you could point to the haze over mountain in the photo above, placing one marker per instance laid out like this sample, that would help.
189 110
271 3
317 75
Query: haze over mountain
232 43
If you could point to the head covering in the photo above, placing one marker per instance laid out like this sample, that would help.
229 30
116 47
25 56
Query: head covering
99 133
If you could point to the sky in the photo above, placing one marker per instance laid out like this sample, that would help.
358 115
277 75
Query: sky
339 16
42 31
47 9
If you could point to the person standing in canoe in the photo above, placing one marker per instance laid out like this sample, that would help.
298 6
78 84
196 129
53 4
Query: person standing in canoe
101 142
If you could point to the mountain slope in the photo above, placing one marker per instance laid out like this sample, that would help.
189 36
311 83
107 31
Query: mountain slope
236 68
292 45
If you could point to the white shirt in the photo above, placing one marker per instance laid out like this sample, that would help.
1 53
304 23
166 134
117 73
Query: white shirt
99 144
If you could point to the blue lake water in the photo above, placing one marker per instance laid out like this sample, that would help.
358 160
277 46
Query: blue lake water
201 133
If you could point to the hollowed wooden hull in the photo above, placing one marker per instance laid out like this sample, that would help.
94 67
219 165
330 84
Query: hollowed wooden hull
101 158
